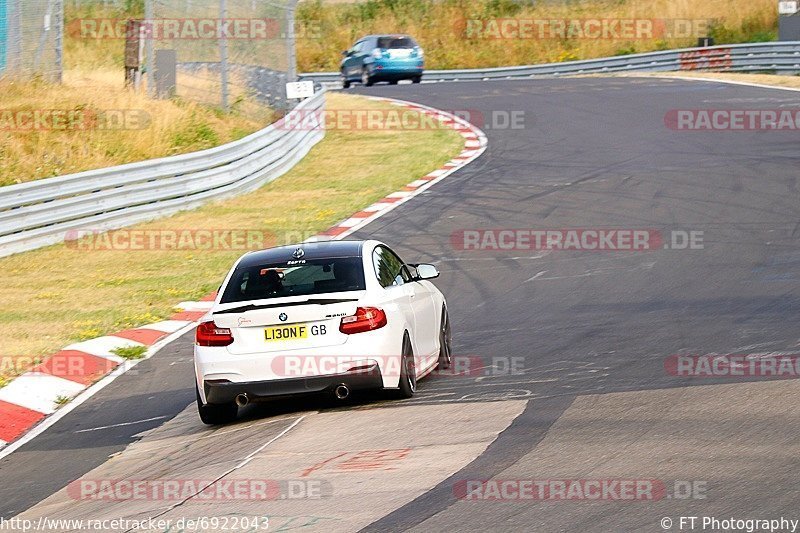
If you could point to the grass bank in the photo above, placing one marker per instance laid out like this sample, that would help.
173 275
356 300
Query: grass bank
92 122
327 27
441 27
100 123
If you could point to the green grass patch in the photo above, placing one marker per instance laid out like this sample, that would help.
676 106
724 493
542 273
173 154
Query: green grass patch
130 352
61 400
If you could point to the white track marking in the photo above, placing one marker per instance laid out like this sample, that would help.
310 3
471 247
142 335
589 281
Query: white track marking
374 208
39 391
167 326
540 274
195 306
121 425
350 222
437 173
239 465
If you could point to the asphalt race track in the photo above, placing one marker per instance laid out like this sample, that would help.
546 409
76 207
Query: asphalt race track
580 339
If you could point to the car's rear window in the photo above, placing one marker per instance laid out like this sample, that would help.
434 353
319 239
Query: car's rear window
278 280
396 42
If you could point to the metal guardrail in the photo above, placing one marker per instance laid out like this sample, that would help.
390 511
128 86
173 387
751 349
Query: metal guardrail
44 212
268 86
781 57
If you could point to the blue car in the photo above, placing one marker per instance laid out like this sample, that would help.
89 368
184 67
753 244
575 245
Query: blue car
389 58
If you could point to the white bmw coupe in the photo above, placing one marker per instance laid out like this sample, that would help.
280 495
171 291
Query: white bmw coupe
328 316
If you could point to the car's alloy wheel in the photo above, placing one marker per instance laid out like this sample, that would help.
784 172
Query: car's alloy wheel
365 78
408 371
216 414
445 340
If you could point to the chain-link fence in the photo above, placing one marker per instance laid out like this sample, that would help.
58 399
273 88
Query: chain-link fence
232 53
31 38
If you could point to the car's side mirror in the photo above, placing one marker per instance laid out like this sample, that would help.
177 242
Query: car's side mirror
346 53
426 271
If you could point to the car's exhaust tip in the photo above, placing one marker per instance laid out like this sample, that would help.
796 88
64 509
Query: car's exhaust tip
242 400
341 391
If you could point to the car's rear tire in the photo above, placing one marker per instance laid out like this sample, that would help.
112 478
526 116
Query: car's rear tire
445 339
345 82
408 373
216 414
393 82
366 79
416 79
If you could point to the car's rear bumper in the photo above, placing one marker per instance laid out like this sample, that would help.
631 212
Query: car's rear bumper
223 391
381 347
397 70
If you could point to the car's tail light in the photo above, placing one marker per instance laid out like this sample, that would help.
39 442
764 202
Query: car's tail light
365 319
208 334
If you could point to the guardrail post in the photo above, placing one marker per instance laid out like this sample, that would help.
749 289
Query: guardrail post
223 57
291 60
149 36
166 73
58 24
3 34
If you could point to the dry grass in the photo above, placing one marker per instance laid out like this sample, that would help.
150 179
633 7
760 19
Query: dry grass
439 26
72 295
330 26
175 126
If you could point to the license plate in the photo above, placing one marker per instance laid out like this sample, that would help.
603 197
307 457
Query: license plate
286 333
400 53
